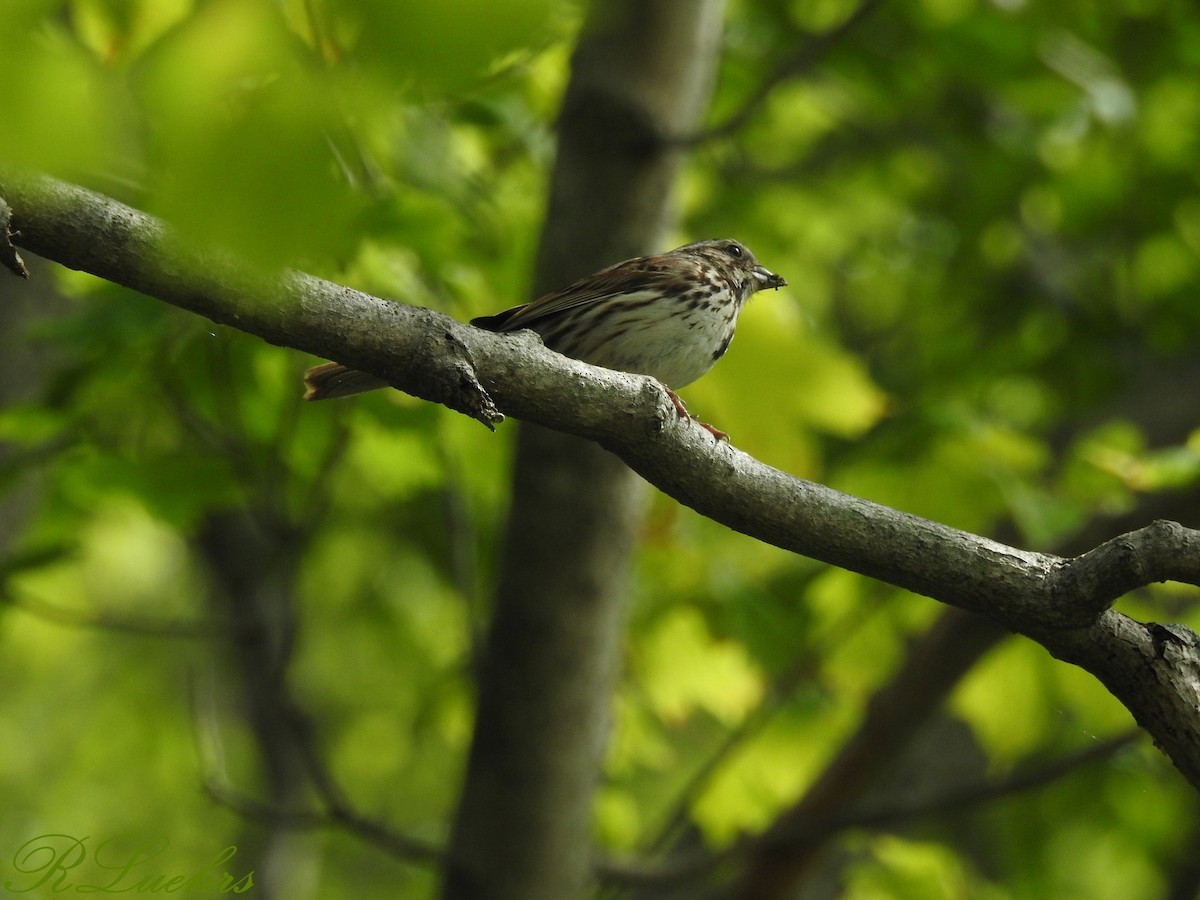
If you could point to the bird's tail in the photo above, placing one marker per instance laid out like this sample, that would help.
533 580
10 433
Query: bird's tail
333 380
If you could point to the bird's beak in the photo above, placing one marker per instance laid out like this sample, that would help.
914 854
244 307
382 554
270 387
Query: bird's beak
767 279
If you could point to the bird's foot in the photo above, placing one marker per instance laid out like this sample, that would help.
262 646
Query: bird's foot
681 408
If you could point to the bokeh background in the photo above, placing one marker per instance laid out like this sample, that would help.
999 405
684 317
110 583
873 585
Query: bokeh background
988 212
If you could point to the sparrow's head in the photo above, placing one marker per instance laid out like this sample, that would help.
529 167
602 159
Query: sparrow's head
735 262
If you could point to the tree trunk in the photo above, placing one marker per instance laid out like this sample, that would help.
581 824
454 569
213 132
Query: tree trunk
642 71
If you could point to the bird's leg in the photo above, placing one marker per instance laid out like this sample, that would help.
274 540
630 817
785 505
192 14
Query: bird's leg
681 408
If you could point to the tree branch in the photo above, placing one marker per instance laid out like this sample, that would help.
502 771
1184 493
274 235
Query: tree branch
86 231
1063 604
8 253
692 866
802 60
858 773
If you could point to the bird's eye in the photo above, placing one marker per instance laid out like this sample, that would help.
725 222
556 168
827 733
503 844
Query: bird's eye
734 250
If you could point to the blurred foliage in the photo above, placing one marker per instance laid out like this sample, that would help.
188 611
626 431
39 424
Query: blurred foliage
989 216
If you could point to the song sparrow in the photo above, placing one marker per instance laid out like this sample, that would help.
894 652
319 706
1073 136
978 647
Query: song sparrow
670 316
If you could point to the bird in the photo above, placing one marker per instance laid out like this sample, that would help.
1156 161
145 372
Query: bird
670 316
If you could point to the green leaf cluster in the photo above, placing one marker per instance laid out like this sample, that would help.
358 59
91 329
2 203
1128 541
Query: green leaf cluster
989 218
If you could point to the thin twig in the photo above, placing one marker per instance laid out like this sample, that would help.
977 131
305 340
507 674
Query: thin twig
802 60
370 830
193 629
685 867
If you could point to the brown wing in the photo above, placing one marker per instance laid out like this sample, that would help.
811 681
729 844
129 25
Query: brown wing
629 277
